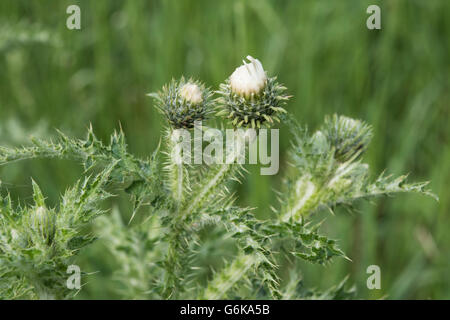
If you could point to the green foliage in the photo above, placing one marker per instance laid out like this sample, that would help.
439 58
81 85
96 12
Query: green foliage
396 79
38 243
328 172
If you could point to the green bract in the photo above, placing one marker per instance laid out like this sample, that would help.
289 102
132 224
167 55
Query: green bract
184 102
349 137
255 110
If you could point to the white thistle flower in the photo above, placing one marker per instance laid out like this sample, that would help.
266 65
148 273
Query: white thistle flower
191 93
251 99
248 79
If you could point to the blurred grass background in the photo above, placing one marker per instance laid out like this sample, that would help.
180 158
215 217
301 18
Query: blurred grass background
396 78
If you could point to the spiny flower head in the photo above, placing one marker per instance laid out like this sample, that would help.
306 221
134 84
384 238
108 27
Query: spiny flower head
184 102
250 98
349 137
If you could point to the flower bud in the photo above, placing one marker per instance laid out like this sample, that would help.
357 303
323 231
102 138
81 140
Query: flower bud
191 93
248 79
184 102
349 137
249 98
43 224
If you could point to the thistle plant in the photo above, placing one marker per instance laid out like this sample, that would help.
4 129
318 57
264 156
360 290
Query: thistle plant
186 208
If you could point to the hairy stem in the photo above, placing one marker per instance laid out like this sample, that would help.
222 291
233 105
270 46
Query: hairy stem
178 185
215 179
172 264
224 280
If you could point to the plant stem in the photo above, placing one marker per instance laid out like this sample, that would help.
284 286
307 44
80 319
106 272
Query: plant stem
172 261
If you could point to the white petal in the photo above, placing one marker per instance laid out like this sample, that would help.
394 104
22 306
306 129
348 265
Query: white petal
249 78
192 93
